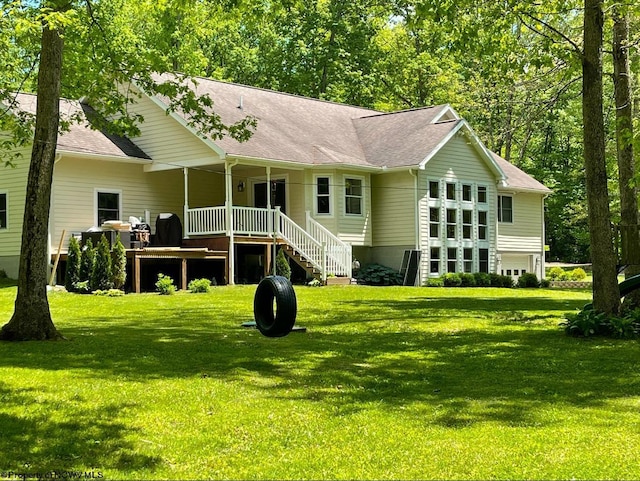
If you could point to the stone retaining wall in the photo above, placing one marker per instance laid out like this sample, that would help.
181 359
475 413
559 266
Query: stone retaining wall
570 284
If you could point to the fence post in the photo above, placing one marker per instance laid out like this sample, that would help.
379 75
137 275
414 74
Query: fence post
324 262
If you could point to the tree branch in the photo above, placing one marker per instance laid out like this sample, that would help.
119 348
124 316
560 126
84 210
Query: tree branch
574 46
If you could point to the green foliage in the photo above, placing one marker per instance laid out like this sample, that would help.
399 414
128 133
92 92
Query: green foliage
282 265
379 275
3 274
528 279
577 274
545 283
199 286
72 272
165 285
100 278
483 279
558 274
314 283
586 322
118 264
87 259
498 280
626 327
81 287
451 279
109 293
434 282
467 280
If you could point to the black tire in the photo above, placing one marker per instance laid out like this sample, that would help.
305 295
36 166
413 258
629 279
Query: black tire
281 322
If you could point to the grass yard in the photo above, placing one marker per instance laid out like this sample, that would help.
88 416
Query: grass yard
387 383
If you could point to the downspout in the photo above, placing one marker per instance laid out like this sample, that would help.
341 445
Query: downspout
52 214
416 219
543 240
229 203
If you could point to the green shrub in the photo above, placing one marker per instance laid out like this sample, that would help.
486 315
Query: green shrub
483 279
282 265
314 283
109 293
100 278
87 259
452 279
578 274
81 287
506 281
467 280
3 274
165 285
200 285
72 271
495 280
545 283
528 280
379 275
434 282
118 265
622 327
558 274
585 323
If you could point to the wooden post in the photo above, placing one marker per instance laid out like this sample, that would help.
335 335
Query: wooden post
55 265
183 277
136 272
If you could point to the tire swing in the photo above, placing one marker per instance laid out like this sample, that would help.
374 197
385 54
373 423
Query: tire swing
278 323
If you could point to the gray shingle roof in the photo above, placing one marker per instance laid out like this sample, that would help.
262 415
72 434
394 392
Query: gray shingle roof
81 138
517 179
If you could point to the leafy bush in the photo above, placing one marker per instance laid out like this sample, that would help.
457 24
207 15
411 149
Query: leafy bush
495 280
314 283
623 327
545 283
506 281
81 287
434 282
586 322
528 280
467 280
3 274
379 275
282 265
483 279
100 278
165 285
72 271
558 274
118 265
109 293
199 285
578 274
452 279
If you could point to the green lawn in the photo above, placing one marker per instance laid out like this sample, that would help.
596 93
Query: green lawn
387 383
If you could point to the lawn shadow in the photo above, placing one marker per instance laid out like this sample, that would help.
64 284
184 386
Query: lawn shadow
38 440
453 377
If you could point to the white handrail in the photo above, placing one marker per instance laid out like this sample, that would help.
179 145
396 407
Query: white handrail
339 253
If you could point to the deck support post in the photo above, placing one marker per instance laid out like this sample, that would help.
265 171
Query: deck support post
229 205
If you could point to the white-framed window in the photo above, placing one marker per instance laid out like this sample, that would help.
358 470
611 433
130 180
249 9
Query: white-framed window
483 256
467 258
434 189
467 223
482 194
353 195
108 204
482 225
505 208
451 191
434 260
434 222
4 210
452 259
452 223
323 195
466 192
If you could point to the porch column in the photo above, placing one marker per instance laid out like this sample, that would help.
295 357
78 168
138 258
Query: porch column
229 204
185 172
270 222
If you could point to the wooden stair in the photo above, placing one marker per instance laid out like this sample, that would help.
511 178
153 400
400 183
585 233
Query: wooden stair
299 259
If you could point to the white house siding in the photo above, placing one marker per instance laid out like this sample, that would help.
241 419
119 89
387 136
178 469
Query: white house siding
460 163
206 188
521 243
76 180
393 217
13 182
165 140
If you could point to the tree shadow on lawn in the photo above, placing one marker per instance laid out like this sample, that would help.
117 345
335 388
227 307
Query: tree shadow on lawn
37 441
453 377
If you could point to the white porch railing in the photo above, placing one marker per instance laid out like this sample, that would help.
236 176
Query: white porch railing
325 251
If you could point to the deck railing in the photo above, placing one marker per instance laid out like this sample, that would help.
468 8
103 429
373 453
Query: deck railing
325 251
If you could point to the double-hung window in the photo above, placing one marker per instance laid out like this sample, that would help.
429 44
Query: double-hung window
434 222
434 261
3 210
323 195
505 208
108 206
353 196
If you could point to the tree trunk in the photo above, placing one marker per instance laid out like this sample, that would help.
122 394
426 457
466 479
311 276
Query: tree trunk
32 319
606 294
624 137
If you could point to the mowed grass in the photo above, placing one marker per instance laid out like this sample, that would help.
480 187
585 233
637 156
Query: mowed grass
386 383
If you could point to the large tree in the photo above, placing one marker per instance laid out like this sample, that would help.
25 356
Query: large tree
98 64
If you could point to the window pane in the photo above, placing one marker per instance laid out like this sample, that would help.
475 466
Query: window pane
451 216
466 192
108 206
466 216
323 205
482 194
468 254
354 205
354 187
434 215
434 190
466 232
482 232
482 217
451 231
3 202
451 191
434 230
323 185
